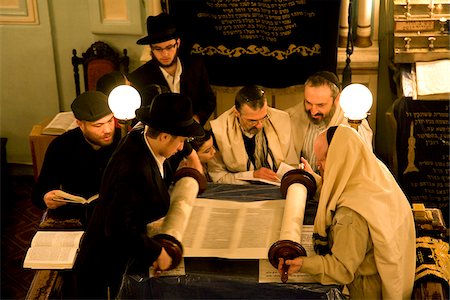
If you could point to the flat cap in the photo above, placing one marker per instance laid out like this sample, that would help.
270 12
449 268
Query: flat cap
90 106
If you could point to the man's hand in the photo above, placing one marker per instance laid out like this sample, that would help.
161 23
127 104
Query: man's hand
306 165
294 265
265 173
163 261
192 161
49 199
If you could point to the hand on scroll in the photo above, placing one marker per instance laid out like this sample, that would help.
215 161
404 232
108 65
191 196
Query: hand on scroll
306 165
163 261
294 265
267 174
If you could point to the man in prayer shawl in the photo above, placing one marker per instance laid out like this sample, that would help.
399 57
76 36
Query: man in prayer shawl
364 235
319 110
251 137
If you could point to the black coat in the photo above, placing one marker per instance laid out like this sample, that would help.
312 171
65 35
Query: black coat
194 83
132 194
71 164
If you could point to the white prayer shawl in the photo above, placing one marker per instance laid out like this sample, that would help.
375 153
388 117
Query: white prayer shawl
232 156
355 178
300 121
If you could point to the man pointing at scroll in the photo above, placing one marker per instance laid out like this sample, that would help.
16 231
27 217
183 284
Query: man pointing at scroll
134 192
364 234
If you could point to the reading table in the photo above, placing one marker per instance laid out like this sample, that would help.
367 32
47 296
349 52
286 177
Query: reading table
208 277
38 144
215 278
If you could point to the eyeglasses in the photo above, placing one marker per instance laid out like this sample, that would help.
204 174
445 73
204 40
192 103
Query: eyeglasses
256 122
167 48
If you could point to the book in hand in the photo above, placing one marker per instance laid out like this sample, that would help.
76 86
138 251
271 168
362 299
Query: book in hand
69 198
62 122
53 250
282 169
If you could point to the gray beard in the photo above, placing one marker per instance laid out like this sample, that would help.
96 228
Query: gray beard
326 120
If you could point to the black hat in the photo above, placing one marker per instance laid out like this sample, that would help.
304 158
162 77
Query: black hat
109 81
160 28
329 76
90 106
170 113
151 91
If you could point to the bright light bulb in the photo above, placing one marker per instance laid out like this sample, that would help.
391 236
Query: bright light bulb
123 102
356 100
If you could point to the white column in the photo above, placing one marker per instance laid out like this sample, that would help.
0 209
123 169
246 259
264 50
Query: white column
343 24
364 22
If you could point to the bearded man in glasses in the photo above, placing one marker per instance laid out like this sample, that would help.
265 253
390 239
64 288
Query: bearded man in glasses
252 140
187 75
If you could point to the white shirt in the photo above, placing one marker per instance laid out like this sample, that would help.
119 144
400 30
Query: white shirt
173 81
158 161
308 144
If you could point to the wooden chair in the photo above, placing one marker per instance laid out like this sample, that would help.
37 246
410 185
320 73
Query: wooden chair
98 60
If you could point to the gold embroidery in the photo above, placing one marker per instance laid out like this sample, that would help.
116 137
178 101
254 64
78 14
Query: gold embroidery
438 254
253 49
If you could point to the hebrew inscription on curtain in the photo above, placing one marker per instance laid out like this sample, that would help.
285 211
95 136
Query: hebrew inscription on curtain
273 43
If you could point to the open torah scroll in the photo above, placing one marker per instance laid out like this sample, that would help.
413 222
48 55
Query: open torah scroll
238 230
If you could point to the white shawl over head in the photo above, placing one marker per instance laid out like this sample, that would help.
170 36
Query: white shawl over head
355 178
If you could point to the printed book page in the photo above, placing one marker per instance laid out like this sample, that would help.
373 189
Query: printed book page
53 250
62 122
67 197
50 257
282 169
57 238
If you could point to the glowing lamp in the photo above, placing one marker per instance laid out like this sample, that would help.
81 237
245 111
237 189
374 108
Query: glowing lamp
356 100
123 102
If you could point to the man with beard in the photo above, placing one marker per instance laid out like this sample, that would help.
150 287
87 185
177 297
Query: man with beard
319 110
75 161
135 192
187 75
251 138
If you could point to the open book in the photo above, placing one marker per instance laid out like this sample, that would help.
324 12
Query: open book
66 197
53 250
62 122
282 169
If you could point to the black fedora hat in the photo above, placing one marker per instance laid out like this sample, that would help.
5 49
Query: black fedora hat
160 28
170 113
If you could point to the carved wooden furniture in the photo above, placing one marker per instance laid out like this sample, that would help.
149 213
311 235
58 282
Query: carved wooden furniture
98 60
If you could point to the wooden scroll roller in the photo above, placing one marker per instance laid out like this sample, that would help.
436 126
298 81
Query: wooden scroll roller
188 184
296 186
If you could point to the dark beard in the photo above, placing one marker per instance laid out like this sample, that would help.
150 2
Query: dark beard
173 62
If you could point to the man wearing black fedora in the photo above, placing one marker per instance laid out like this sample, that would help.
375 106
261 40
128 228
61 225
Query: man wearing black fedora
133 193
186 75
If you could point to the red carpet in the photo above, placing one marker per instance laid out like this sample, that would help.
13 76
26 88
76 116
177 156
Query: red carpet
19 221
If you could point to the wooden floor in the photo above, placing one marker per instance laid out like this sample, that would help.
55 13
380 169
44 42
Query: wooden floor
19 221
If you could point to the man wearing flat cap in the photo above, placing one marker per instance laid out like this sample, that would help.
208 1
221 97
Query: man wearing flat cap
318 111
74 161
133 193
186 75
